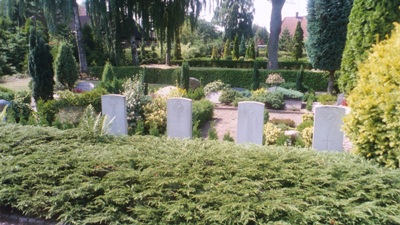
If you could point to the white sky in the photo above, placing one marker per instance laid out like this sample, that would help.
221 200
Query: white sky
262 14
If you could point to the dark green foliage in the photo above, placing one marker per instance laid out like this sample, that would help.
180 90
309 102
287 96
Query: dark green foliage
212 132
242 47
227 137
237 78
285 41
228 95
327 28
299 80
40 67
185 75
109 81
235 52
18 111
274 100
369 23
13 47
66 69
202 112
177 49
298 42
256 77
146 180
195 94
251 50
288 85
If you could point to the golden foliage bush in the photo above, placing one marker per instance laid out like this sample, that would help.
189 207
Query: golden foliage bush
374 122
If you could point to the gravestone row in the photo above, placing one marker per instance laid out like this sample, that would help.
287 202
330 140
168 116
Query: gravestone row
327 121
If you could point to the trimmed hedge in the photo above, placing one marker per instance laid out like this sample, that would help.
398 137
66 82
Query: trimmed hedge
221 63
235 77
78 179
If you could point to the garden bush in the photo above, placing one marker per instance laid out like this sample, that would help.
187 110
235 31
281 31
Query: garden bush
77 179
215 86
286 122
202 111
228 96
374 121
271 133
195 94
327 99
274 100
289 94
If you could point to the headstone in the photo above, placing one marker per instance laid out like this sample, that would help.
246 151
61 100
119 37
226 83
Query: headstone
340 99
165 91
84 86
214 97
179 118
114 107
327 128
3 103
193 83
250 122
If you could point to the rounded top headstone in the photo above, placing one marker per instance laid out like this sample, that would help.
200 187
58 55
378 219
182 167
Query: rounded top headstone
84 86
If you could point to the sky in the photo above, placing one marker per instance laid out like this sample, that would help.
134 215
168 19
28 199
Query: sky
262 16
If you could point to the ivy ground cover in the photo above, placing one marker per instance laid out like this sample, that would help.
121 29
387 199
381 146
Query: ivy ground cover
79 179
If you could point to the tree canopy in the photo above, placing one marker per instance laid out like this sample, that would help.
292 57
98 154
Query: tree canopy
369 23
327 28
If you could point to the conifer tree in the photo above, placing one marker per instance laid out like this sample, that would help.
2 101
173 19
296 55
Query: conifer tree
65 66
227 49
298 43
235 52
242 47
185 76
40 67
177 48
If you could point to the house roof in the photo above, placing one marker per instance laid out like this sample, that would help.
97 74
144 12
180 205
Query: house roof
290 23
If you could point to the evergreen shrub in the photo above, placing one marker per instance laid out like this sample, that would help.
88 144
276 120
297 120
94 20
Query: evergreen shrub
229 95
374 121
326 99
74 178
202 111
66 69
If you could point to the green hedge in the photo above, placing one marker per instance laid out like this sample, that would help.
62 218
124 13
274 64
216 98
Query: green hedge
293 65
69 176
234 77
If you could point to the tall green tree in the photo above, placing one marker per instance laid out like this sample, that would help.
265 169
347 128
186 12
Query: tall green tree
285 41
327 28
235 52
40 67
275 30
236 17
370 22
65 66
242 47
298 42
227 49
115 18
261 35
55 11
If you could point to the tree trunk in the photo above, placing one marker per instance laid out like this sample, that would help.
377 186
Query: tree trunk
79 41
331 80
168 54
135 60
275 30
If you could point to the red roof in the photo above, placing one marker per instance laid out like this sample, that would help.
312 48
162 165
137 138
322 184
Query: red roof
290 23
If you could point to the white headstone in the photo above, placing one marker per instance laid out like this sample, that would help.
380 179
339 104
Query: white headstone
179 118
114 107
250 122
327 128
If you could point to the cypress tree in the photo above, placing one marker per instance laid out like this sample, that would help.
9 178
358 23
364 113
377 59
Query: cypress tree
227 49
65 66
40 66
236 47
256 76
369 23
298 42
177 48
185 76
299 79
242 47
